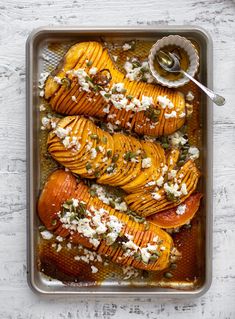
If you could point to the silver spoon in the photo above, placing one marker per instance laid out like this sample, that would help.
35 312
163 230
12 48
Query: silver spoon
170 62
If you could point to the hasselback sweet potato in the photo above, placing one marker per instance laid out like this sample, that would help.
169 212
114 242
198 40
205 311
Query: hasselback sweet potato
120 160
83 219
78 86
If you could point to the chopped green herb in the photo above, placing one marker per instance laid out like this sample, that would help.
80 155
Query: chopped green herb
129 97
107 95
168 275
94 136
152 114
41 228
173 266
92 192
104 140
136 64
171 197
165 145
87 78
88 166
129 155
66 82
89 63
109 153
181 163
115 158
66 206
53 222
153 257
112 203
97 173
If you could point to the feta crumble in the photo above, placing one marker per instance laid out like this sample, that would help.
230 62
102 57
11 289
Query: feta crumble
146 162
170 115
94 269
190 96
156 196
193 153
181 209
46 234
126 47
164 102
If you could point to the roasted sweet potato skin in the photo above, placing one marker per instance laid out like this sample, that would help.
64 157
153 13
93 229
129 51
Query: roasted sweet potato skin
60 186
170 219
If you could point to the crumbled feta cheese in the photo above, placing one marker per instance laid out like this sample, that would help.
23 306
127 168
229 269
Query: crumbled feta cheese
93 71
119 87
115 57
146 162
160 181
181 115
177 139
42 108
184 189
193 153
45 121
156 196
59 247
57 79
164 169
46 234
61 132
145 254
138 71
190 96
42 79
181 209
75 202
74 98
155 239
151 183
130 272
172 174
170 115
126 47
106 109
41 93
93 153
94 269
164 102
172 189
59 238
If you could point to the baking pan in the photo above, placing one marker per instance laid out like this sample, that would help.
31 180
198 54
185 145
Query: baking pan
35 46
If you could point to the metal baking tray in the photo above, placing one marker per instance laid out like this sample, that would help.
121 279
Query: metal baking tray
34 47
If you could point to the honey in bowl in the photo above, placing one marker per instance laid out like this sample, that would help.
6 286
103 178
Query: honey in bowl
184 63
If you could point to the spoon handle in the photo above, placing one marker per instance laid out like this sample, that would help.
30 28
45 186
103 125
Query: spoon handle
216 98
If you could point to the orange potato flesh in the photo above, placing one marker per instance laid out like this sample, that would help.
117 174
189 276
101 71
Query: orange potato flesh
170 219
55 193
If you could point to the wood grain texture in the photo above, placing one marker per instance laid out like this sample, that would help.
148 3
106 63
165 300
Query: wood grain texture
17 19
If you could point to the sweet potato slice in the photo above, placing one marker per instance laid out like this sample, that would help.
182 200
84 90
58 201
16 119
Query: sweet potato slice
59 187
170 219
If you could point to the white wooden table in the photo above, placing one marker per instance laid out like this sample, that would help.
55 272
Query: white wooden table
17 19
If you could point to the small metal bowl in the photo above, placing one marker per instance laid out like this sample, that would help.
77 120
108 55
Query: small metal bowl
177 41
